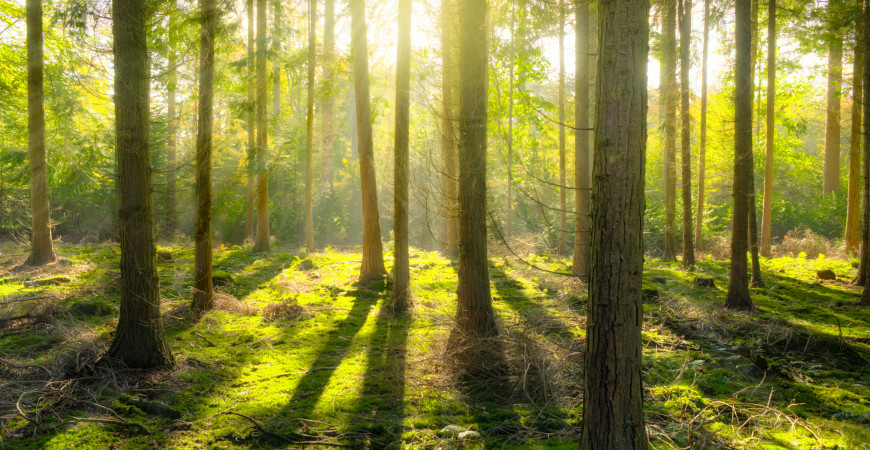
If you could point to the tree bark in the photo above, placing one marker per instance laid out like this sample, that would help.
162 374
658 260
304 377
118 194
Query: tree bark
276 66
171 146
766 209
262 242
865 192
252 134
309 129
203 292
373 258
509 214
563 181
685 130
328 103
402 279
41 250
449 150
139 341
702 144
613 392
755 280
582 157
670 25
738 288
832 116
853 203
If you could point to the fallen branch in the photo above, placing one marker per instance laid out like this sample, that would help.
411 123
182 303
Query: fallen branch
285 438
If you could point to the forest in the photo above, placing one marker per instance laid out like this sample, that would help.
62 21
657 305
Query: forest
604 224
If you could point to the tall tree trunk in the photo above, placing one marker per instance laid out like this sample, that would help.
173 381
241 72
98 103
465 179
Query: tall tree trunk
738 288
449 150
474 314
328 103
582 156
41 250
171 145
685 130
702 144
373 255
766 210
309 129
563 181
276 66
401 272
613 393
509 219
853 204
203 292
262 244
755 280
832 116
252 134
864 267
670 24
139 341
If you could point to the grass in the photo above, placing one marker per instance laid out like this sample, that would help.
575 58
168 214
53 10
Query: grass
298 350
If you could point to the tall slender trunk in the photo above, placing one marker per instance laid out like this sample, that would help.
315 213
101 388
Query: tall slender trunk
139 341
509 219
766 210
401 272
613 391
755 280
865 192
670 24
582 156
373 255
738 289
252 134
309 129
449 150
685 130
563 195
853 204
203 292
832 116
262 244
276 66
171 144
328 102
702 144
41 251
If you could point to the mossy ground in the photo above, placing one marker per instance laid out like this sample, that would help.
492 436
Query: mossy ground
311 355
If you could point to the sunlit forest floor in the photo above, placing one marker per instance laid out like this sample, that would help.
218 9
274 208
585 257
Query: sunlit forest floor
298 354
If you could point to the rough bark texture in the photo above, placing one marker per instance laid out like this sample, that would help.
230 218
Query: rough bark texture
203 292
252 134
563 181
139 341
261 244
449 149
865 192
328 103
685 130
671 92
832 117
755 280
171 146
474 315
853 228
767 205
738 288
582 156
309 129
401 271
702 138
613 393
41 250
373 255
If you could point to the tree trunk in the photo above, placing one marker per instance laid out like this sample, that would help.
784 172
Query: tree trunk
449 155
276 67
738 288
509 214
582 157
252 135
139 341
702 145
328 103
373 258
402 279
685 130
563 181
203 292
832 116
41 251
171 146
766 210
474 314
261 244
309 129
854 203
755 280
670 24
613 393
865 192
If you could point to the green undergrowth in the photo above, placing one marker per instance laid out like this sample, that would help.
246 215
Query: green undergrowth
298 353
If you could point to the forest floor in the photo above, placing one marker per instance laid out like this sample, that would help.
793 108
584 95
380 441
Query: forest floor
298 354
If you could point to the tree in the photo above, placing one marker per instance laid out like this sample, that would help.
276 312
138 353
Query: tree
261 244
864 267
372 267
582 157
738 289
767 205
309 129
612 392
755 280
832 116
401 272
563 199
328 103
41 251
509 139
474 314
853 201
203 292
252 133
171 136
670 91
685 129
449 150
702 144
139 341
